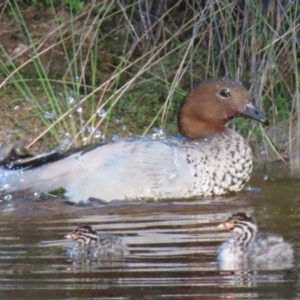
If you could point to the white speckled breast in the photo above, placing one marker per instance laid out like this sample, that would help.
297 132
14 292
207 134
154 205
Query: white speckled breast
219 164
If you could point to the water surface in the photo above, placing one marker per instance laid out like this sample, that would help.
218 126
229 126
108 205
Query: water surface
173 247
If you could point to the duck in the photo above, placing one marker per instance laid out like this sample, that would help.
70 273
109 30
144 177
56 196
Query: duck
250 248
209 159
93 246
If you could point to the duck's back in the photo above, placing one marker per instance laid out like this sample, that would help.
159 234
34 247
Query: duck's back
267 251
111 246
130 170
270 249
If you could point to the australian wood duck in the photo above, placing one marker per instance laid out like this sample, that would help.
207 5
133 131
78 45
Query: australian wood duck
210 159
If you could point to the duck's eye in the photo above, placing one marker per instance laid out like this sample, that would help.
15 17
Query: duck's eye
225 93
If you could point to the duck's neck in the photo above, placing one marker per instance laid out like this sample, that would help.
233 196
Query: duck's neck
247 233
193 127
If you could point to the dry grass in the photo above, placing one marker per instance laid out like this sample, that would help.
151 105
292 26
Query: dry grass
141 56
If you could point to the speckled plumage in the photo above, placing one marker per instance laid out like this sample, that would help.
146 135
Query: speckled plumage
250 249
210 160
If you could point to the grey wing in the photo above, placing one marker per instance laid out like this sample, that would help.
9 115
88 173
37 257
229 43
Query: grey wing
131 171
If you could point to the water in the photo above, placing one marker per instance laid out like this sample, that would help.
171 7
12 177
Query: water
173 248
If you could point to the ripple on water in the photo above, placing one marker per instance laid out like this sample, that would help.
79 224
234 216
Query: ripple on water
172 249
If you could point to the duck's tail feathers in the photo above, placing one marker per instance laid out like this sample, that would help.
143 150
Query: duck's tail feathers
16 161
43 172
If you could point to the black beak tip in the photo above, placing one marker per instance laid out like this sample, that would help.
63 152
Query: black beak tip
251 111
259 116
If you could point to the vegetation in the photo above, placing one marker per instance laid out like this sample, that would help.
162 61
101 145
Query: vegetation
92 70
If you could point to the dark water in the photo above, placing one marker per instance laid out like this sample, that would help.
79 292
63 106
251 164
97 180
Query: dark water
173 248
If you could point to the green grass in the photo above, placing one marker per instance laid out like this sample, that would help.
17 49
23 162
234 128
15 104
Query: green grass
135 62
